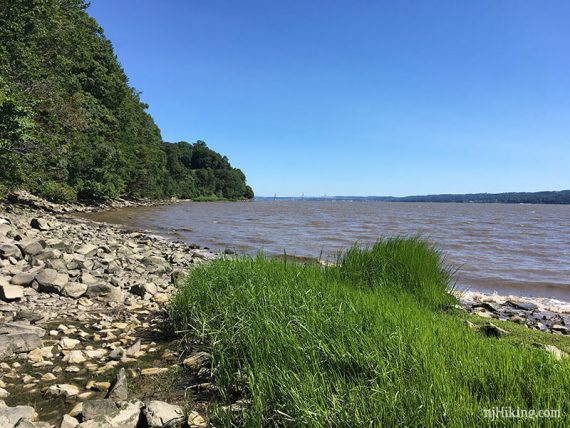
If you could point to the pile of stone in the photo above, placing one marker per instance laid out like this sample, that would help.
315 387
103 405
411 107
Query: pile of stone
45 255
116 410
79 300
521 312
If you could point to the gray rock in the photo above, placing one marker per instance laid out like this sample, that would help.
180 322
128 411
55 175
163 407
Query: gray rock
106 292
197 361
74 289
63 390
522 306
87 250
556 353
10 416
25 423
120 389
493 330
50 281
9 250
95 408
21 327
23 278
117 353
142 289
32 248
11 292
127 416
160 414
39 224
68 422
28 315
134 348
19 342
5 230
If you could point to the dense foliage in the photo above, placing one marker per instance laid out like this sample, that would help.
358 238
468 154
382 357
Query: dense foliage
72 127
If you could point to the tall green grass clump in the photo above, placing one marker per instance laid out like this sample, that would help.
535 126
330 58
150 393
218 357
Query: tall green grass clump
367 342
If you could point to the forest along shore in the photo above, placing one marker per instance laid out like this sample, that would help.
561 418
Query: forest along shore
83 314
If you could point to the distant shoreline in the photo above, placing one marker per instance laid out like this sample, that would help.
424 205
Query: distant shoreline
561 197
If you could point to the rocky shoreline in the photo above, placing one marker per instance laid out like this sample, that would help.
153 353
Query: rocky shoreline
547 315
83 323
82 313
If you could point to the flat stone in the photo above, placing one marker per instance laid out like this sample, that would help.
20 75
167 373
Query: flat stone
11 292
152 371
75 357
160 414
74 289
21 327
4 393
522 306
63 390
68 343
87 250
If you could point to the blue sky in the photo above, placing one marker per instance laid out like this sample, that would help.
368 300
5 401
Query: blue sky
349 97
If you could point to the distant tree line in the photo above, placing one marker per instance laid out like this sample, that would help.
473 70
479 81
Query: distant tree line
546 197
71 126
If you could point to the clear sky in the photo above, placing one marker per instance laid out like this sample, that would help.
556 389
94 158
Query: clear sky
350 97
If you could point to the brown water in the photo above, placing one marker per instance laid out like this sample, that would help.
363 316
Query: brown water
511 249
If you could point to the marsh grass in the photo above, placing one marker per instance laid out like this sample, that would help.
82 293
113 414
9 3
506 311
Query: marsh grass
368 342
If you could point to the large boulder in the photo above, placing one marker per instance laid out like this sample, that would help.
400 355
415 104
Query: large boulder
160 414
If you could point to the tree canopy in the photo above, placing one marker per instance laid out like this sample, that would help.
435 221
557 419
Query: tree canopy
72 127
